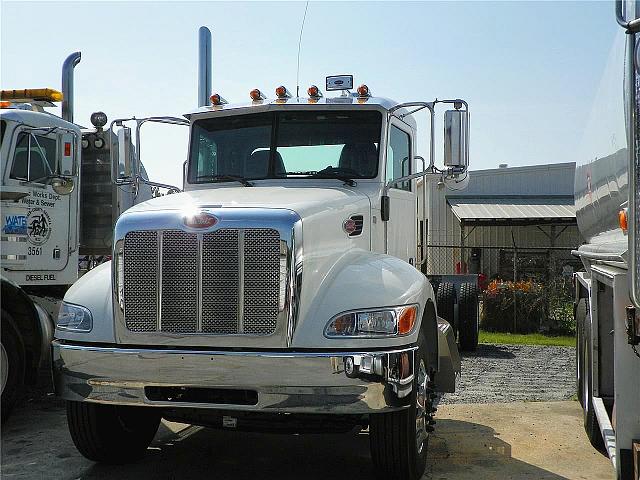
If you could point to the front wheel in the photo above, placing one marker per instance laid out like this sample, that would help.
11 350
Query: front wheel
399 440
12 365
113 434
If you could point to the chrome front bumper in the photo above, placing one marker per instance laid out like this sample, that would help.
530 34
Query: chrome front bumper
304 382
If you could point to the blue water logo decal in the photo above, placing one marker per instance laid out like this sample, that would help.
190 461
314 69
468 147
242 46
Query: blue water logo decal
15 225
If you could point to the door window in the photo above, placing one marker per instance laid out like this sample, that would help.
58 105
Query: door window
34 158
398 157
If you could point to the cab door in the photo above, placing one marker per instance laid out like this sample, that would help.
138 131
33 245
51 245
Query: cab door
401 226
33 163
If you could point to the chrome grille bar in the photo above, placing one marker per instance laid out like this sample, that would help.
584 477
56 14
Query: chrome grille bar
225 282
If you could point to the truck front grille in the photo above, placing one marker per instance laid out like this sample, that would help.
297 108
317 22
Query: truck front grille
226 282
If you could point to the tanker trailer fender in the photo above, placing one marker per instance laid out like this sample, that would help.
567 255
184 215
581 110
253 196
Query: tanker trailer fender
365 281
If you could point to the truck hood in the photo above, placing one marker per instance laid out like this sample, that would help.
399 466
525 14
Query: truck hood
304 200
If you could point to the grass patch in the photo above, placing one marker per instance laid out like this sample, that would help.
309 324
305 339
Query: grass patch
526 339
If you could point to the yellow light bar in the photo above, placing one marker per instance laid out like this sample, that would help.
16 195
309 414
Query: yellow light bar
31 95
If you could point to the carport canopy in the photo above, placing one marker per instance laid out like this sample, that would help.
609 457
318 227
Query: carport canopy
513 210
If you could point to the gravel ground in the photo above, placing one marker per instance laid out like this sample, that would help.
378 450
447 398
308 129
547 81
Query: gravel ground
510 373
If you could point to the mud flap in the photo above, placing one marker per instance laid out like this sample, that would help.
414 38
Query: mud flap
449 358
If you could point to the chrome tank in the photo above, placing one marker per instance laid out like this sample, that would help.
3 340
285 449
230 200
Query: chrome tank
601 179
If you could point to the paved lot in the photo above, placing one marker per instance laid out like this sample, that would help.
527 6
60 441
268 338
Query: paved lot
521 440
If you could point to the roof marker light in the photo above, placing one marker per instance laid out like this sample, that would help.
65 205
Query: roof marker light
363 91
256 95
282 92
217 100
314 92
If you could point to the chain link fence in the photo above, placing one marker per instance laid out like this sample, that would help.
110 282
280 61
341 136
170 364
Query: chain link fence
523 289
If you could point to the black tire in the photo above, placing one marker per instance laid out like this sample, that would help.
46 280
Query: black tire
468 317
580 316
393 436
445 303
591 427
112 434
14 348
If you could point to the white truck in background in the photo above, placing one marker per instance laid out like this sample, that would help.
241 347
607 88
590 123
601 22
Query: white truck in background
58 208
607 299
278 291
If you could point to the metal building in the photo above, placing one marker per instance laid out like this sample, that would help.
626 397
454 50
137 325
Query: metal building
509 223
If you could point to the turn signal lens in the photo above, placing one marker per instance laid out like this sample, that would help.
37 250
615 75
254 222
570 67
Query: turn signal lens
623 220
5 104
407 320
363 90
256 95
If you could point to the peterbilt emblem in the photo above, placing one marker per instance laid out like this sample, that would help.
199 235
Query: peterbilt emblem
200 220
349 226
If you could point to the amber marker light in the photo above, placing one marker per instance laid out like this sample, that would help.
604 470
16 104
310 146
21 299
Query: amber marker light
217 100
363 91
314 91
623 220
256 95
407 320
5 104
282 92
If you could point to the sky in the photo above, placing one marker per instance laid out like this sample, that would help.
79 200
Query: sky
529 70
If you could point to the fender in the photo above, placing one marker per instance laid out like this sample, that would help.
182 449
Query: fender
359 279
32 321
93 291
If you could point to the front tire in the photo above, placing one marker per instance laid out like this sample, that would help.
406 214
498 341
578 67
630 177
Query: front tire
112 434
12 365
399 440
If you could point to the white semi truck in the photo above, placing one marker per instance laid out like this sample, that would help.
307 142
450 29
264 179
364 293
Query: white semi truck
607 197
58 208
277 291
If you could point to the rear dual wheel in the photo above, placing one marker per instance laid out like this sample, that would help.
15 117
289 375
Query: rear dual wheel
399 440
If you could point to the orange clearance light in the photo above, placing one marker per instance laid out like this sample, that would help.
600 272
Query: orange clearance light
5 104
407 320
282 92
623 220
256 95
314 92
216 99
363 91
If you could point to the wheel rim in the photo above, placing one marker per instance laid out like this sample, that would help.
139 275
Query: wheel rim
421 407
4 367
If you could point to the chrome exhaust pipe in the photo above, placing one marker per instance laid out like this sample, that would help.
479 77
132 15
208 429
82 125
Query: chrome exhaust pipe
204 67
67 85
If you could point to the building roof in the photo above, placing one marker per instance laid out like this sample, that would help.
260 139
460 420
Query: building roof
513 210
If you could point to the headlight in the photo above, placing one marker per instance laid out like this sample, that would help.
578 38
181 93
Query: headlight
74 318
373 323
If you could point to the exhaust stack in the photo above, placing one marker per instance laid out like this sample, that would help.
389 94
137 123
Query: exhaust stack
67 85
204 66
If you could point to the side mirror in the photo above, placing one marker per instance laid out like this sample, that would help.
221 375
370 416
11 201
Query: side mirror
126 167
456 138
67 166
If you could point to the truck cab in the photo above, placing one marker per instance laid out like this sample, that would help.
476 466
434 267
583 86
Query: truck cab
280 286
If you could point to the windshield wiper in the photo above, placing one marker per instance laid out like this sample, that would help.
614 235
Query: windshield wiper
226 178
339 173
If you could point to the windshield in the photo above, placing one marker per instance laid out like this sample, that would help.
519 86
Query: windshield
294 144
